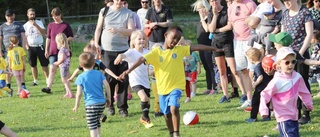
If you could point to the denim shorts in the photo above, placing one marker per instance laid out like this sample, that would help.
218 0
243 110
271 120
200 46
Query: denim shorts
52 59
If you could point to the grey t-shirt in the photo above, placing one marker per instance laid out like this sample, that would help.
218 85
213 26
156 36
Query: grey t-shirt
115 19
6 31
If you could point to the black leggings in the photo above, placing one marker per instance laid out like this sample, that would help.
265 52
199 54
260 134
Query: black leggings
206 59
108 58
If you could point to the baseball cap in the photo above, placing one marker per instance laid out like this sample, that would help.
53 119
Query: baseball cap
283 38
266 8
284 52
9 12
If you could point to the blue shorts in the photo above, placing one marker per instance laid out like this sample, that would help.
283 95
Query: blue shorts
3 83
52 59
171 99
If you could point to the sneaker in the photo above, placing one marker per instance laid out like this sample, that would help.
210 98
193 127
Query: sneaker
234 95
245 105
243 98
272 114
147 123
24 87
129 97
193 94
158 114
187 100
224 99
103 118
213 92
304 120
110 111
46 90
265 119
10 94
248 109
123 113
206 92
250 120
34 84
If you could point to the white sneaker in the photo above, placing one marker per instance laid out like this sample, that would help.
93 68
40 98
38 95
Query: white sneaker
193 94
245 105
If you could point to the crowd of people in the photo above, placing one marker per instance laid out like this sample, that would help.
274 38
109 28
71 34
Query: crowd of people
234 38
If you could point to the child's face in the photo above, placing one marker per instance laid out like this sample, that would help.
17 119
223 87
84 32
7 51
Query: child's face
172 38
140 42
287 64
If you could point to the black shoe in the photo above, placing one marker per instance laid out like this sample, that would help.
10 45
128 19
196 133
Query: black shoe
304 120
103 118
46 90
110 111
158 114
34 84
234 95
123 113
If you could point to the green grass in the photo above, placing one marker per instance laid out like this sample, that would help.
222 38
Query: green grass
51 115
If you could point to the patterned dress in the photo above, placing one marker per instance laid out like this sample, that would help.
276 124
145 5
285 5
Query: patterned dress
315 13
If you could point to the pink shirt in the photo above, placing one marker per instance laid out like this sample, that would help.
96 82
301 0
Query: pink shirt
237 14
284 91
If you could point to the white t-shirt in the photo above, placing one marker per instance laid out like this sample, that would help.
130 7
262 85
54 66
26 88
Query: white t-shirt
142 16
138 76
34 36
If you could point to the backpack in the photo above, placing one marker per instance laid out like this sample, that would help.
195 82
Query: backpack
106 9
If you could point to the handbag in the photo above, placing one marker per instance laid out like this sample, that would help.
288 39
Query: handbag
147 30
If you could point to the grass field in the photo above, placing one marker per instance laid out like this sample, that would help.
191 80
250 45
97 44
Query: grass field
51 115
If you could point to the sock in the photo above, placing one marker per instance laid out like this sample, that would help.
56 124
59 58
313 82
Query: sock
35 81
23 84
306 113
9 85
235 90
145 109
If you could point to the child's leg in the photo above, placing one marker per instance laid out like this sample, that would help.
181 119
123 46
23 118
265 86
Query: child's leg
255 104
6 131
175 120
53 70
19 81
145 105
65 74
188 88
93 114
156 97
289 128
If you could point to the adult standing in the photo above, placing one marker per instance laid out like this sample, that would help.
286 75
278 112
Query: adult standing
142 12
8 29
34 33
223 40
238 11
298 22
115 28
160 18
202 7
314 7
51 49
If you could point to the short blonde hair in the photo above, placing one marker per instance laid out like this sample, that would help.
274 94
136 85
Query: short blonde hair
201 4
87 60
134 35
254 54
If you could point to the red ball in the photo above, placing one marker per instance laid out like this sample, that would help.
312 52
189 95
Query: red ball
24 93
268 63
190 118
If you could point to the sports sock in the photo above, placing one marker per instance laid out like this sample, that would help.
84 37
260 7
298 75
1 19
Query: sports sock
9 85
145 109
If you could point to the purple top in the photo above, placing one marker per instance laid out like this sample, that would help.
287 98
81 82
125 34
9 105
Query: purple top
53 30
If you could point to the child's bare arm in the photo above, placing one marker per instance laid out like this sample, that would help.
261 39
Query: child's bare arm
134 66
78 97
199 47
199 67
258 81
75 72
108 71
63 57
311 62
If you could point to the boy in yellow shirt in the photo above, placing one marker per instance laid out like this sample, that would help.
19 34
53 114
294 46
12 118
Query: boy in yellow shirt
3 72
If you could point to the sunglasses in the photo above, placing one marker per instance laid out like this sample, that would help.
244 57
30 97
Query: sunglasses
292 62
145 2
238 11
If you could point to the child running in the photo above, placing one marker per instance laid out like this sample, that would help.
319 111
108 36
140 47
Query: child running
64 62
315 41
3 76
91 82
284 90
261 80
16 59
138 78
167 61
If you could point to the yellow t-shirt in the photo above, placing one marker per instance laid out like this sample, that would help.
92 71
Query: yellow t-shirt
3 66
15 56
168 67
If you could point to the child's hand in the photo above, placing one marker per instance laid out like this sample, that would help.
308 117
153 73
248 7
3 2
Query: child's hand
119 79
75 109
70 79
56 63
122 76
